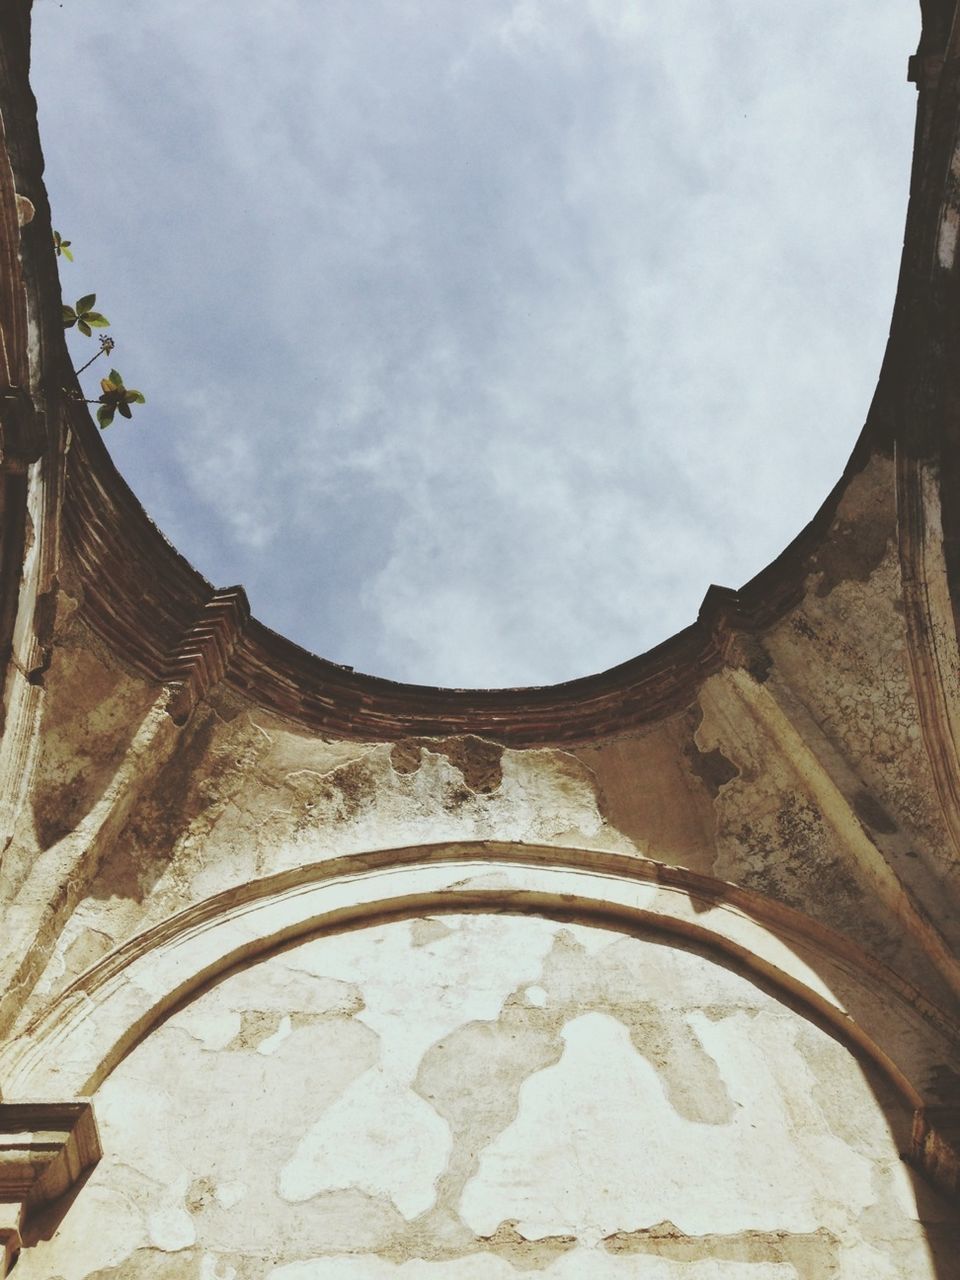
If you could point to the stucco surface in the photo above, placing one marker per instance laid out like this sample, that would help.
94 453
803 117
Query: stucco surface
482 1096
326 951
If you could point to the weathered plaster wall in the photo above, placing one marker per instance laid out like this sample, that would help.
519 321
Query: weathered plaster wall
800 770
777 787
483 1096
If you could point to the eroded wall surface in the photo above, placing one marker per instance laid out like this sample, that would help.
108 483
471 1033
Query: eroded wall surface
485 1096
505 1090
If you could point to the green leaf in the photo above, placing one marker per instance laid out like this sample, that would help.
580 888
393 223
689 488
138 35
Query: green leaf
124 410
86 302
84 327
96 319
136 397
69 316
105 416
65 251
115 378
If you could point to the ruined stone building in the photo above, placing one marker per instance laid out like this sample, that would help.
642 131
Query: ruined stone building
307 974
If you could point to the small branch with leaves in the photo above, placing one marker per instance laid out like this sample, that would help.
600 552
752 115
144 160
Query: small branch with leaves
83 316
106 346
115 398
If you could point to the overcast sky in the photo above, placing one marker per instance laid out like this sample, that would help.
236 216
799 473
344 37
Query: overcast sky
480 336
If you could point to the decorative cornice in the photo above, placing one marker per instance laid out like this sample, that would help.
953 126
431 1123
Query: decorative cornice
201 659
45 1149
142 598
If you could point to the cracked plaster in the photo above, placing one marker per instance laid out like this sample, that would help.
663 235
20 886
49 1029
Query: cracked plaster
499 1097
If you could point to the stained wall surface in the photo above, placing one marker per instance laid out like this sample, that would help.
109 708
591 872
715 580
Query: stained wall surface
487 1096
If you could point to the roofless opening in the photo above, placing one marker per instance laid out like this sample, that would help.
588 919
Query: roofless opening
478 340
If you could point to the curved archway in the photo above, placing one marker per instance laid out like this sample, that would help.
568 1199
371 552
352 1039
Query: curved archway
703 1138
76 1042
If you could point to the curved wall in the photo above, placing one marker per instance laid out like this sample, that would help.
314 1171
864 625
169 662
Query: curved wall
483 1096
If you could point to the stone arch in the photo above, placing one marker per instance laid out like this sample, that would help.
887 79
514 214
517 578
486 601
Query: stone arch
74 1044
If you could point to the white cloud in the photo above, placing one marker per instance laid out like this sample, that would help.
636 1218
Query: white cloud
458 323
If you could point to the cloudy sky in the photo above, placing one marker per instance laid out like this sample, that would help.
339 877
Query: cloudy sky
480 336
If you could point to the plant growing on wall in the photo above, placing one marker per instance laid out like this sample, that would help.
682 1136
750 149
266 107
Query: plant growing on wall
83 316
114 397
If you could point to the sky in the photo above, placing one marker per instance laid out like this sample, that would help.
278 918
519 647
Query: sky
480 336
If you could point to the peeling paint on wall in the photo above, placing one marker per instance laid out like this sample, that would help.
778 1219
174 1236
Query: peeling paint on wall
485 1095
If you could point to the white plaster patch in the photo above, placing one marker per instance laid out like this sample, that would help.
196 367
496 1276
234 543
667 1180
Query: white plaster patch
453 984
171 1228
379 1137
273 1042
229 1193
76 1251
768 1076
214 1029
597 1148
137 1109
282 986
593 1146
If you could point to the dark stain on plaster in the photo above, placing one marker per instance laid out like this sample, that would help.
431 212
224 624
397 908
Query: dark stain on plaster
944 1083
712 767
802 627
90 716
478 760
142 850
405 755
853 550
751 654
349 789
457 797
783 854
201 1194
36 674
60 807
872 814
45 614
